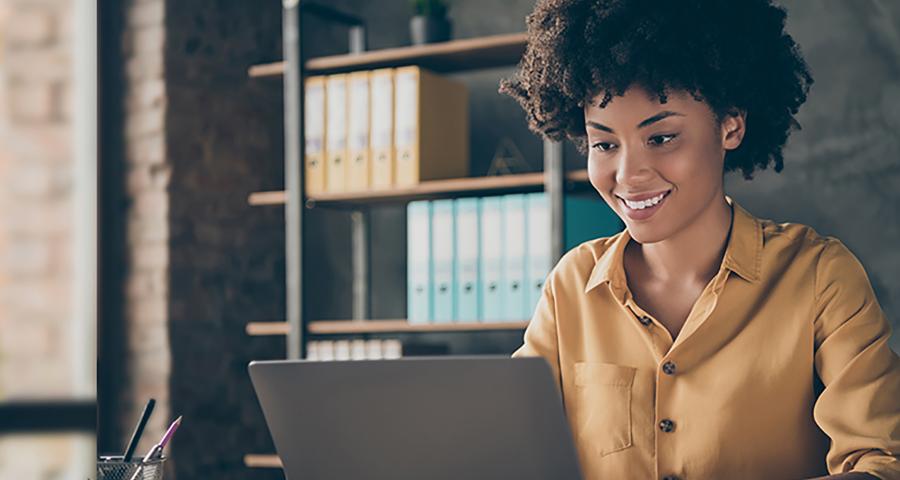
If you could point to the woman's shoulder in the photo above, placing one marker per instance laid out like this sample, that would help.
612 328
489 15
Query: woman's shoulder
829 256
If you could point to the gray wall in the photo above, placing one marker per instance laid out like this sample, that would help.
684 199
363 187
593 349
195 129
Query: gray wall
842 170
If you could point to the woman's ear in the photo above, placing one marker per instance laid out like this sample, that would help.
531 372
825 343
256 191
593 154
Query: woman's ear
734 126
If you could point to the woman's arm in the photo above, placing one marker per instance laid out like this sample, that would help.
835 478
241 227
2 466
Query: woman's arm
540 336
858 408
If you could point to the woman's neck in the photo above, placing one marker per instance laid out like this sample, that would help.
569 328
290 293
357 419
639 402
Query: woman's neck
693 255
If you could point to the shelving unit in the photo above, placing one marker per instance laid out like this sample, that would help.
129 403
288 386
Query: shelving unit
448 57
455 187
262 460
342 327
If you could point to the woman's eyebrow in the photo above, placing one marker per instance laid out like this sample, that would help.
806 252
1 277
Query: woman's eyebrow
649 121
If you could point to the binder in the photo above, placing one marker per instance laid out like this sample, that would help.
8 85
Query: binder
358 98
587 219
373 349
468 259
539 256
336 133
312 350
431 138
342 350
358 349
443 251
491 232
314 134
392 348
326 350
382 128
514 247
419 270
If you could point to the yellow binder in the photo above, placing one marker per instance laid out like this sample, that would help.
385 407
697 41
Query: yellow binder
314 134
336 133
431 137
382 120
358 131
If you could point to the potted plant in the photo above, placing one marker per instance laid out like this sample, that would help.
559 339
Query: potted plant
429 23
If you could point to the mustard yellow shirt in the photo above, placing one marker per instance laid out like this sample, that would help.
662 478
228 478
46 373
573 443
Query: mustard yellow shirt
785 350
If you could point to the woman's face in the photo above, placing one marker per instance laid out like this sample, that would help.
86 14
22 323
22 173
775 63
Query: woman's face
640 147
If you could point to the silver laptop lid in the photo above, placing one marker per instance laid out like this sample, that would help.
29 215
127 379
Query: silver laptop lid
435 418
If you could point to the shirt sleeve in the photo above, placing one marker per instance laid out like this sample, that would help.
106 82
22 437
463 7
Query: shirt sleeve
859 407
540 337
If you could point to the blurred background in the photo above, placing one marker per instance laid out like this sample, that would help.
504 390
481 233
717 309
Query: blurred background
48 252
131 262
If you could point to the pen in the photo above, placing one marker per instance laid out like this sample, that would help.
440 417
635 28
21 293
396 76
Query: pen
158 448
138 430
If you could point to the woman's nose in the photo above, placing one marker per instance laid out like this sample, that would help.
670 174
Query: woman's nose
632 168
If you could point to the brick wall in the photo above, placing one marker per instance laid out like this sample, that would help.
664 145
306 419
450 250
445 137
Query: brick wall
145 174
36 228
35 198
193 262
224 139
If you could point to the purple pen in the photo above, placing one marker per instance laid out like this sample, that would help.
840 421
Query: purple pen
169 433
158 448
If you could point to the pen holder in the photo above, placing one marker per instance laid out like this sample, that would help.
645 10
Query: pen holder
114 468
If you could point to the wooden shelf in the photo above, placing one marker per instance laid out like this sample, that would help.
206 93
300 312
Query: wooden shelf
257 329
276 197
339 327
260 460
445 57
274 69
455 187
333 327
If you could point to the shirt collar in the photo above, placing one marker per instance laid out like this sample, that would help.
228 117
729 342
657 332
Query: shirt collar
742 255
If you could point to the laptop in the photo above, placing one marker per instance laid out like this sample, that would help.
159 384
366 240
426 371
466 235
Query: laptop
416 418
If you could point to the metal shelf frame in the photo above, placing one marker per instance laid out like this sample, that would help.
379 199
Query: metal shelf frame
554 185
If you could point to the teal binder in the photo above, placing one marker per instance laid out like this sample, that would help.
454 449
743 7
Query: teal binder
539 235
588 218
468 260
585 219
515 246
491 233
443 254
418 263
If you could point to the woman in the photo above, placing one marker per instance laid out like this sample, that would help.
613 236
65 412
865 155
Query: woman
701 342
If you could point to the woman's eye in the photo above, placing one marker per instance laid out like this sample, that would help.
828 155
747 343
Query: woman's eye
666 139
602 146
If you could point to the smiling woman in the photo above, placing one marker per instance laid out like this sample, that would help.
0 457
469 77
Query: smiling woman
701 341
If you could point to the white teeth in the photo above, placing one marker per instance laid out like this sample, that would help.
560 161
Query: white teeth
642 204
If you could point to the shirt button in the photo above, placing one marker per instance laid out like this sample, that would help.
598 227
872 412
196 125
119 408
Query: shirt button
667 425
669 368
645 320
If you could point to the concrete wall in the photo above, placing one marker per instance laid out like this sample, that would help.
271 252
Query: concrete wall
842 170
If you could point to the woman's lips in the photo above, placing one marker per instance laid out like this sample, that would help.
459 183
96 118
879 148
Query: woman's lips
645 213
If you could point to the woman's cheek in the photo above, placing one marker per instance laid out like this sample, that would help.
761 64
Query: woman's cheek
598 174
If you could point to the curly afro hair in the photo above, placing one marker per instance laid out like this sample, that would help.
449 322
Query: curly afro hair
731 54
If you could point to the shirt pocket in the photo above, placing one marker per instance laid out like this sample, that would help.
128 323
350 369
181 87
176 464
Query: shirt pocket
601 416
